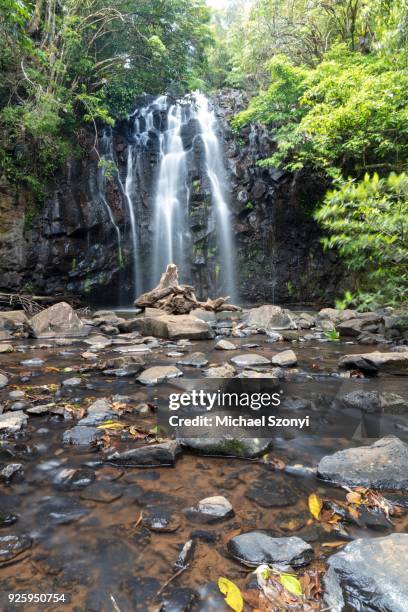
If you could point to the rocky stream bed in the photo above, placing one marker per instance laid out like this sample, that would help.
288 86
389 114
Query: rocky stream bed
98 505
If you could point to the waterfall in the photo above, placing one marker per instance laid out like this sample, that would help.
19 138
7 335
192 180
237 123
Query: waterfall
171 198
171 143
217 175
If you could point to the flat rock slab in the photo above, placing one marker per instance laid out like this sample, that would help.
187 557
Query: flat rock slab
228 447
175 327
158 374
13 421
210 510
256 547
383 465
249 359
225 345
82 435
369 574
13 545
61 510
395 363
285 358
102 491
195 360
161 519
147 456
57 320
272 492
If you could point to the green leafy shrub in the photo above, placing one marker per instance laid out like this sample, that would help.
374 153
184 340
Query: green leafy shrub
367 223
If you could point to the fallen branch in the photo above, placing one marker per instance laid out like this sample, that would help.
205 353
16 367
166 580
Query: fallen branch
179 299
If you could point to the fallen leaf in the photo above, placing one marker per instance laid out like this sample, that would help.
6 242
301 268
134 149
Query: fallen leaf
334 544
233 597
315 505
291 584
111 425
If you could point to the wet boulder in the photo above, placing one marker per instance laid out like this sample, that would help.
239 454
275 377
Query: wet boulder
383 465
369 574
12 421
57 320
225 345
163 454
354 327
269 317
175 327
210 510
195 360
81 435
158 374
285 359
223 371
372 363
248 360
256 547
12 546
230 446
3 380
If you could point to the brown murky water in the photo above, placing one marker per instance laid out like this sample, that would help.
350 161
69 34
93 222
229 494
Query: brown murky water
101 554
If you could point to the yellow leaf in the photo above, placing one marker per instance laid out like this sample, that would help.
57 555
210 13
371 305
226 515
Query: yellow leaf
110 425
315 505
233 595
291 584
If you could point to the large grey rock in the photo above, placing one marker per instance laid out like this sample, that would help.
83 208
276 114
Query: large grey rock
6 348
255 547
12 317
395 363
174 327
158 374
249 359
13 421
383 465
369 575
223 371
3 380
147 456
354 327
335 315
81 435
285 358
269 317
228 446
57 320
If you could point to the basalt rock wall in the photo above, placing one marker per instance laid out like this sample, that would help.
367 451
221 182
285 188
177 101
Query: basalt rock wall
69 244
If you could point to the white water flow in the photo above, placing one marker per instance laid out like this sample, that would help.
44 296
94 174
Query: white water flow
171 198
216 173
161 135
107 157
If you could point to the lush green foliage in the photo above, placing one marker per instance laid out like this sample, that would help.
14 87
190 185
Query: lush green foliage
367 222
68 63
333 81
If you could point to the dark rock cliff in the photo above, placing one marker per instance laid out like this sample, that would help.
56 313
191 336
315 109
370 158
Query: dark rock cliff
69 244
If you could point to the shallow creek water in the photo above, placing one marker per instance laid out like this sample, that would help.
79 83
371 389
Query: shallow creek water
99 553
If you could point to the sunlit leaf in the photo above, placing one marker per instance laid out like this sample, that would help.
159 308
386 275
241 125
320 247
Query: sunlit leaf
291 584
233 597
315 505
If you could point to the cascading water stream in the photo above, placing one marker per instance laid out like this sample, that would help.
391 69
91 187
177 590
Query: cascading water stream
216 173
171 198
158 137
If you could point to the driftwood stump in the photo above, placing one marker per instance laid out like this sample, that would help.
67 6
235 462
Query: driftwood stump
178 299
